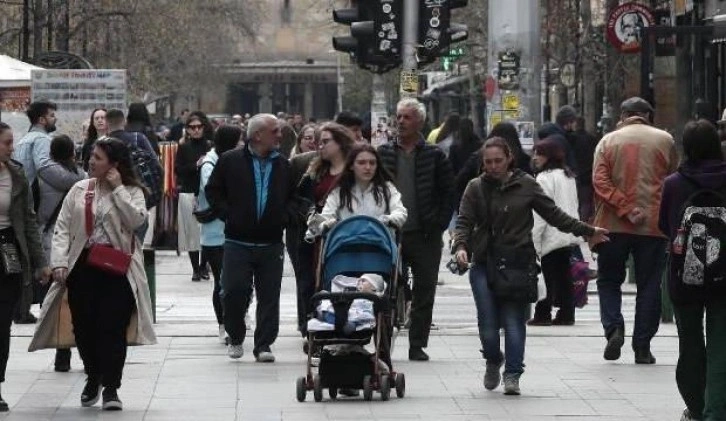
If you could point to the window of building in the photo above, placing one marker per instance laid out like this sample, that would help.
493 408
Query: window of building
286 12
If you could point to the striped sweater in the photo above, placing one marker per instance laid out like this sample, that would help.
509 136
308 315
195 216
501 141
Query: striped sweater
630 167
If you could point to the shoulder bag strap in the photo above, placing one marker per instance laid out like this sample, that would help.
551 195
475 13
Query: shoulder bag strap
90 194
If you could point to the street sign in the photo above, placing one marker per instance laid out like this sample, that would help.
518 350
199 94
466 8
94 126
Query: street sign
625 26
508 77
567 75
510 102
409 83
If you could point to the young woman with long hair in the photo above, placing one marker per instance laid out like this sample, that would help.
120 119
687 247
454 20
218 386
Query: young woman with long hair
699 305
308 140
365 188
108 310
97 128
553 246
321 178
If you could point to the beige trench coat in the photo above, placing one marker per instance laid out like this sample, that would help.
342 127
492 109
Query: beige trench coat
54 329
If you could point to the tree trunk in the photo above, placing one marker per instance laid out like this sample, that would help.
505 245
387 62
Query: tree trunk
590 101
38 23
25 55
62 41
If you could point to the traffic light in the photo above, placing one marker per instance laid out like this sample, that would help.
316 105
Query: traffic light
375 34
436 31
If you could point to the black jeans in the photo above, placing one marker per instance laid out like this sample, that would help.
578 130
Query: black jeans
101 307
556 272
9 295
302 256
263 265
215 256
649 256
422 253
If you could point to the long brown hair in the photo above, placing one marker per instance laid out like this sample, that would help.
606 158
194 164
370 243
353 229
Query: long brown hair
118 153
343 137
379 181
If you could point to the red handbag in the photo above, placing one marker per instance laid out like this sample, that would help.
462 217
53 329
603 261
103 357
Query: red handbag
100 256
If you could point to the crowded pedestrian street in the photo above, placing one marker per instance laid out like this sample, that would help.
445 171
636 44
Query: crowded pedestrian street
188 376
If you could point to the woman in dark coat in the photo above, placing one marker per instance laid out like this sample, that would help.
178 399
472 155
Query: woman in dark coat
22 253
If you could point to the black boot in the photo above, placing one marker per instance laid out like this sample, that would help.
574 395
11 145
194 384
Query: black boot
63 360
616 339
643 355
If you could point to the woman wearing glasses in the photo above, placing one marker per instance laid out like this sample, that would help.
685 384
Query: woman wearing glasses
189 157
306 141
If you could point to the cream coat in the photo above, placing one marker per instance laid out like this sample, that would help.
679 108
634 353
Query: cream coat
54 329
563 190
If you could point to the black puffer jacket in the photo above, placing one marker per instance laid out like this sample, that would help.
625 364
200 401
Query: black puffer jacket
434 183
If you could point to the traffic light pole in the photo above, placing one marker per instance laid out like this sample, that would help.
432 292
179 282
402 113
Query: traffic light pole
409 68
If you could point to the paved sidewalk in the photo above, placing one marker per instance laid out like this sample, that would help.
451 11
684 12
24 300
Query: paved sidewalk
188 376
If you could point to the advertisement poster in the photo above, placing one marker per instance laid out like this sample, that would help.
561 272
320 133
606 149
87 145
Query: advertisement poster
625 26
77 93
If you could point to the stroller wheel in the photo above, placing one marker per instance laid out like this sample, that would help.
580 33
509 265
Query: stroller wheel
300 389
367 388
317 388
333 392
385 386
400 385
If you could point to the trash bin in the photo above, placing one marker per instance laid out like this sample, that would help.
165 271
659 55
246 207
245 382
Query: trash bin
150 268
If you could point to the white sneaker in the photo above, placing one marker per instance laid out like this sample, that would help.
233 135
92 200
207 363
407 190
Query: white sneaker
235 351
222 335
265 357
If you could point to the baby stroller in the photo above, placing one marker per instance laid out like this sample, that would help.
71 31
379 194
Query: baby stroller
355 246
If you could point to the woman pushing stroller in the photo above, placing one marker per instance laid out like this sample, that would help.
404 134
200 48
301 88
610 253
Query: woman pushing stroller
364 194
365 188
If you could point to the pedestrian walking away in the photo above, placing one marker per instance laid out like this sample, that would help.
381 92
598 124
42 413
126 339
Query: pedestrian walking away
107 295
423 175
630 166
51 191
21 253
251 189
493 232
212 239
697 193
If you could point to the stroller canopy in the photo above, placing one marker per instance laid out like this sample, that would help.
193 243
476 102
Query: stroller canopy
358 245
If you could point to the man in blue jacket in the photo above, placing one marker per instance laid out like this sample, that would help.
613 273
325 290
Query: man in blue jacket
251 189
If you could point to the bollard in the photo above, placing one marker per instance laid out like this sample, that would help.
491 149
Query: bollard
150 268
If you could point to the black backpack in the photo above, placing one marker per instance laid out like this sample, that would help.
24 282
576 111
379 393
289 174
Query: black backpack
149 171
698 253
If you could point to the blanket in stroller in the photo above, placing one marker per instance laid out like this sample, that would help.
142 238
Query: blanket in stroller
360 314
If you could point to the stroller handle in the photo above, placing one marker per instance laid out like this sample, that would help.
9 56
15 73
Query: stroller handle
345 296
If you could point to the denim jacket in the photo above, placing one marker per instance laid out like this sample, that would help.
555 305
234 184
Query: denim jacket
33 153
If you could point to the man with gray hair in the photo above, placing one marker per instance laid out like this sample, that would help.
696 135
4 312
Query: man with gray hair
251 189
424 177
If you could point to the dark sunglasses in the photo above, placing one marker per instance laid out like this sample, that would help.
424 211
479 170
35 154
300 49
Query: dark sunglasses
195 126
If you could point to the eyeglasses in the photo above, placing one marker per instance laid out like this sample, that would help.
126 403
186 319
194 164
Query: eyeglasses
195 127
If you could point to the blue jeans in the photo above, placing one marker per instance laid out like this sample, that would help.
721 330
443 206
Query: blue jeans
493 314
649 256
